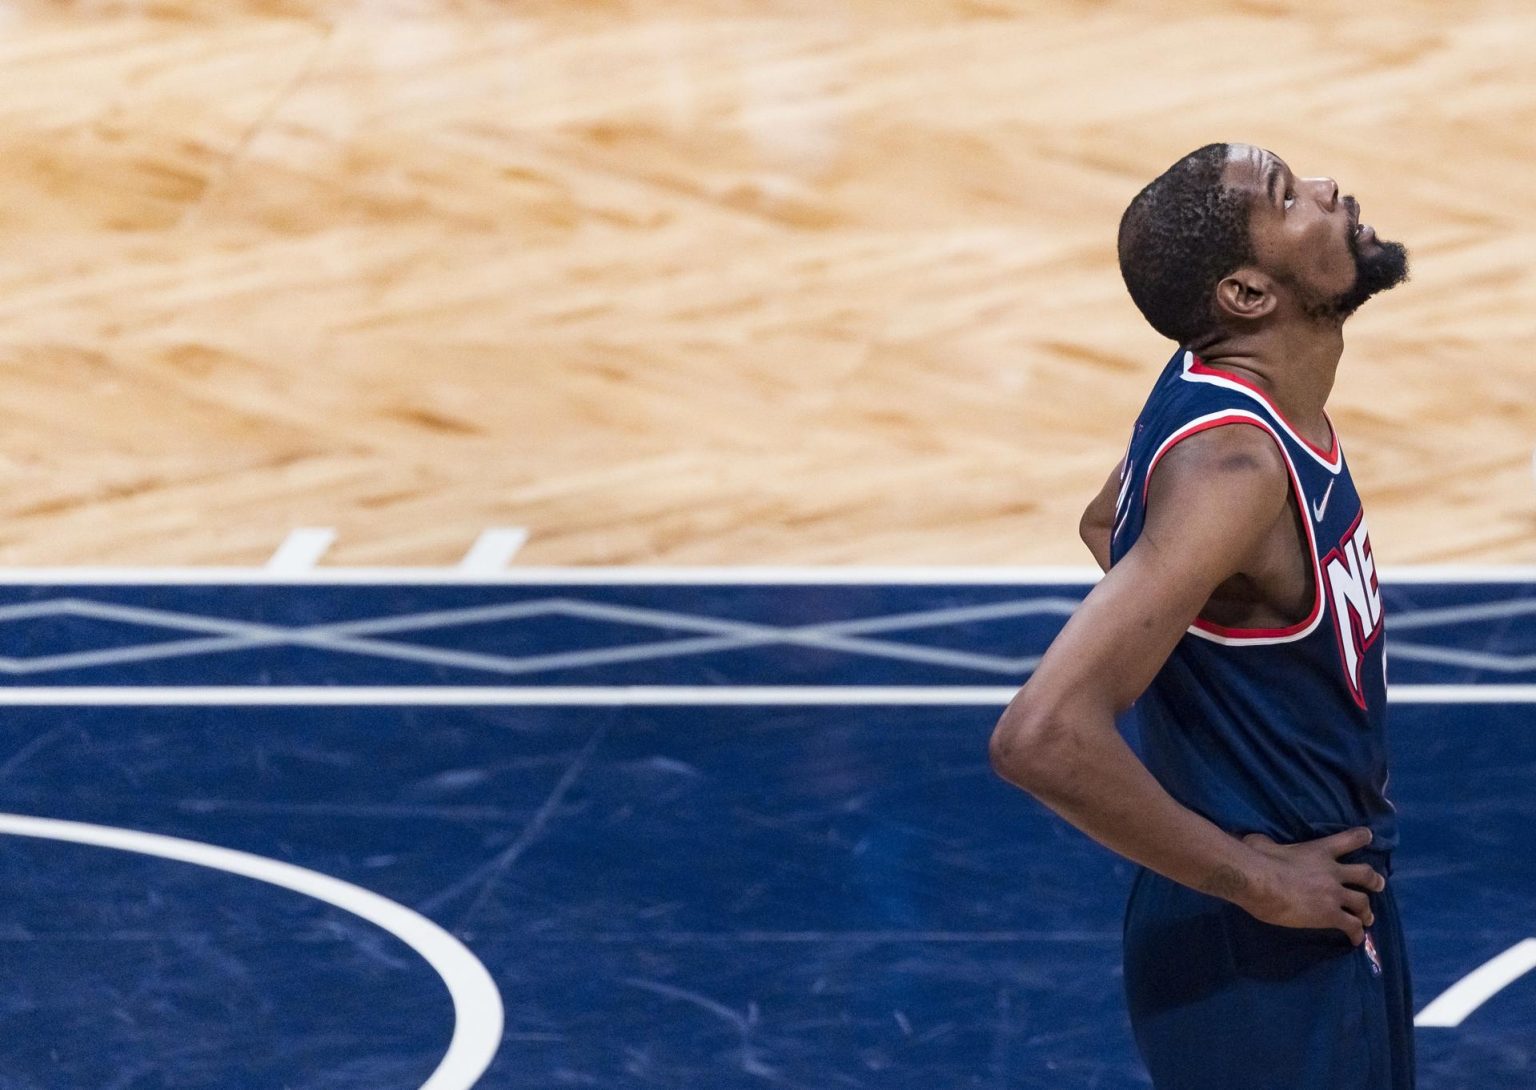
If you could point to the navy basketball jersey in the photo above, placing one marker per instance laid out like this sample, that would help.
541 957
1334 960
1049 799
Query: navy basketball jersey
1277 731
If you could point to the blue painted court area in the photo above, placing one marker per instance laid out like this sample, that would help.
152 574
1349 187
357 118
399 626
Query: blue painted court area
707 887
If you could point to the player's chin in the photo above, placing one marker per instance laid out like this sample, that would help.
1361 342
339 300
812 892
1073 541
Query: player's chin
1384 265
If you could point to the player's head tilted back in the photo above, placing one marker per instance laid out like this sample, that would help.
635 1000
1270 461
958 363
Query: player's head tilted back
1229 240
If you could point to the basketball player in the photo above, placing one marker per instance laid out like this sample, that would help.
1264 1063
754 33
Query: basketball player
1241 613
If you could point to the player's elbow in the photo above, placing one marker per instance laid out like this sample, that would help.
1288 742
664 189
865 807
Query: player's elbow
1030 744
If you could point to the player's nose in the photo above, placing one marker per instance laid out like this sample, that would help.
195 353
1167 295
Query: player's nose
1327 191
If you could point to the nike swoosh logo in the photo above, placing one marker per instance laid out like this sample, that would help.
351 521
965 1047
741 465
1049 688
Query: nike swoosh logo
1319 507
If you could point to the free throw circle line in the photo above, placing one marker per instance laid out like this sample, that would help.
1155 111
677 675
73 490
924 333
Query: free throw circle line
477 1007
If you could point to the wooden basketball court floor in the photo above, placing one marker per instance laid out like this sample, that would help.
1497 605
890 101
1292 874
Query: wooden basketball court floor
671 283
707 281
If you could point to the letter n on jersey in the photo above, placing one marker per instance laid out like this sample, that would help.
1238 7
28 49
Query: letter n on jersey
1355 596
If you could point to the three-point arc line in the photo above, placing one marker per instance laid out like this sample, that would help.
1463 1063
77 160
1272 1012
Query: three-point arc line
477 1007
1480 985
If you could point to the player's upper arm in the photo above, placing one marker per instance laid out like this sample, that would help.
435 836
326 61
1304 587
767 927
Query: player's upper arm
1212 501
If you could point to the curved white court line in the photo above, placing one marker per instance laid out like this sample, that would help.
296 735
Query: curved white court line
1479 986
477 1005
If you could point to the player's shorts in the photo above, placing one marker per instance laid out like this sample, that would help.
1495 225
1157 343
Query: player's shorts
1220 1001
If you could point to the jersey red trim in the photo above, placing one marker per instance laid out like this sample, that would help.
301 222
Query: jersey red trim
1331 455
1317 576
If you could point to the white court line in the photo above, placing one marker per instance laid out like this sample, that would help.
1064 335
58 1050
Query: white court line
490 696
663 576
1480 985
574 576
477 1007
618 695
493 550
301 550
1461 694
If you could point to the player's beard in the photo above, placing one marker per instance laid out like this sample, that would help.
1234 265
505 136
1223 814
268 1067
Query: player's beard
1385 267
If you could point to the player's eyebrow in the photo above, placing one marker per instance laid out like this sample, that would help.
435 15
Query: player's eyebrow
1272 179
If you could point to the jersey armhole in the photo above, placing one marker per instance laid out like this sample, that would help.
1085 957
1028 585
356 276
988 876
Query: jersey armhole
1223 634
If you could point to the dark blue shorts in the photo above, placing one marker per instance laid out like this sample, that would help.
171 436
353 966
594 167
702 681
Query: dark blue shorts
1220 1001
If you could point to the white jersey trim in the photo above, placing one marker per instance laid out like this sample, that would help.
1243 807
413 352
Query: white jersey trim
1319 604
1188 373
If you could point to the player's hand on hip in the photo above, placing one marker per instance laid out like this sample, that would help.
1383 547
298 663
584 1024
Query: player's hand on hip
1305 885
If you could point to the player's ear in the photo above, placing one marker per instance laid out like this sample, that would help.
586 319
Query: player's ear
1245 295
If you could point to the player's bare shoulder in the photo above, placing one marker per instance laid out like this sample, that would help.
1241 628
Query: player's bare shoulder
1234 471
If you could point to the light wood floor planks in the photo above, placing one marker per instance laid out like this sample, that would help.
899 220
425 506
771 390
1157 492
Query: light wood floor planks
708 282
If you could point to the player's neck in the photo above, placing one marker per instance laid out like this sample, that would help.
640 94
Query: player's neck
1295 366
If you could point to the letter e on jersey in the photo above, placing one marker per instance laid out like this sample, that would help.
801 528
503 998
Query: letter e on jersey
1355 597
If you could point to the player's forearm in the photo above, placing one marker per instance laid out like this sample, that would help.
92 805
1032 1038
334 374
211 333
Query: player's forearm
1088 775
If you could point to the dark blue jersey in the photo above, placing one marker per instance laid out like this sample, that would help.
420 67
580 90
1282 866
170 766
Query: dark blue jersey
1278 731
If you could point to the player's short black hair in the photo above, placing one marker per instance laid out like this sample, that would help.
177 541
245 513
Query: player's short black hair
1178 238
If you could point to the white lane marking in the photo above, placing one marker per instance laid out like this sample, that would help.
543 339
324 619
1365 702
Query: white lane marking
615 695
667 576
476 1002
1480 985
301 550
493 550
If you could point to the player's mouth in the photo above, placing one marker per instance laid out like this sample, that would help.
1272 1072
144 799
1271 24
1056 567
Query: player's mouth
1362 232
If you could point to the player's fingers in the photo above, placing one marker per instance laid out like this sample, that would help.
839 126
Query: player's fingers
1359 905
1361 876
1258 840
1352 927
1348 841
